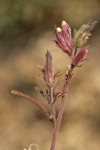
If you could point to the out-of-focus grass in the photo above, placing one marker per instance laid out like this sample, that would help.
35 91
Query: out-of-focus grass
25 35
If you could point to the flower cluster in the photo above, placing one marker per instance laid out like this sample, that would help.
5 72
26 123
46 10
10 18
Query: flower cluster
64 40
74 47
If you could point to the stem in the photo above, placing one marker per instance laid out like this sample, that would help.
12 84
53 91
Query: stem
68 78
53 112
45 112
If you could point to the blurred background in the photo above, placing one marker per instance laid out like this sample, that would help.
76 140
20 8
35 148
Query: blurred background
26 33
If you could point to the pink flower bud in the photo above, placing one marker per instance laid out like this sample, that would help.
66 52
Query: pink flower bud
63 38
80 56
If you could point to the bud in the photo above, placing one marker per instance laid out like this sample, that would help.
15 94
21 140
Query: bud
80 56
48 71
82 35
63 38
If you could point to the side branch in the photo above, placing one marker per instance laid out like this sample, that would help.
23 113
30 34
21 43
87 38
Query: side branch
45 112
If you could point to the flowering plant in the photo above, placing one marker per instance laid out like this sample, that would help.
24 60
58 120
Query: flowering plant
77 50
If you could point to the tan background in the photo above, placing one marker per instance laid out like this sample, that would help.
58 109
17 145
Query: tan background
26 32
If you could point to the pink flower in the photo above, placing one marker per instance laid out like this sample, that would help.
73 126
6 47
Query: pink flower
80 56
63 38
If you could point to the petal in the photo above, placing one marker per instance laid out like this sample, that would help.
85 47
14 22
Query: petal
66 29
60 39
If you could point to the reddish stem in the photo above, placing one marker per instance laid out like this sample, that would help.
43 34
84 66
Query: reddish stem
46 113
53 112
68 78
